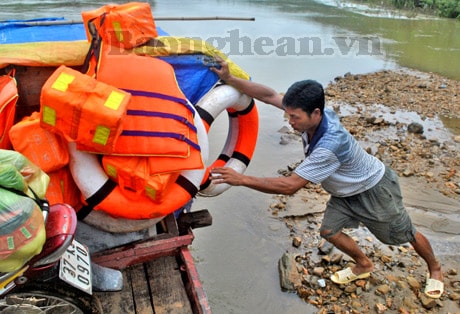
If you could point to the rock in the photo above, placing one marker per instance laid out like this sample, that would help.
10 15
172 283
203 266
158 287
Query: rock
326 259
296 241
385 259
410 303
413 283
414 127
336 258
284 129
403 310
318 271
325 247
408 173
350 288
383 289
289 138
380 308
427 302
378 121
356 305
454 296
290 279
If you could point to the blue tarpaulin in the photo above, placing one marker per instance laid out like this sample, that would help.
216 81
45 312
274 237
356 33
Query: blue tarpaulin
36 30
192 71
23 31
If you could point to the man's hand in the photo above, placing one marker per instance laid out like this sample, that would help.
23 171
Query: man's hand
226 175
223 72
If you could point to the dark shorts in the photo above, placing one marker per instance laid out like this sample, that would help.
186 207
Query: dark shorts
380 209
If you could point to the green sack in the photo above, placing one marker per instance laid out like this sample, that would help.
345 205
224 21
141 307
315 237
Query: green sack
27 175
22 230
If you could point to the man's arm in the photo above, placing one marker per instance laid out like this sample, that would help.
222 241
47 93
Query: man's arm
279 185
252 89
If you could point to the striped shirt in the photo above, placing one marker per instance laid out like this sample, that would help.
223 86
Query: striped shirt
337 161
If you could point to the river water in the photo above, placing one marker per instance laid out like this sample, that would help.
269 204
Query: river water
288 41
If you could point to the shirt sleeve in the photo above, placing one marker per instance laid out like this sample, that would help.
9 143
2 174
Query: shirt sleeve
318 166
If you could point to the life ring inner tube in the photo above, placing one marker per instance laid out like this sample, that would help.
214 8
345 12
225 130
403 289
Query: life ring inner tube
242 132
101 193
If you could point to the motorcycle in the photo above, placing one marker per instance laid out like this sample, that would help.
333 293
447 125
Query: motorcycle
61 278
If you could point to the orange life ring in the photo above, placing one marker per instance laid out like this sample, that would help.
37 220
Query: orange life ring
242 133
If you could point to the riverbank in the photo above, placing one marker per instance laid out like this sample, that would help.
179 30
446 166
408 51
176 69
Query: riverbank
396 116
412 8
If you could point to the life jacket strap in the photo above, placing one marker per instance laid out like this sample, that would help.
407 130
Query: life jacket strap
96 198
165 115
179 137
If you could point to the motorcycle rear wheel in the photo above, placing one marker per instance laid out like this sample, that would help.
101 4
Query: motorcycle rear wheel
49 300
31 302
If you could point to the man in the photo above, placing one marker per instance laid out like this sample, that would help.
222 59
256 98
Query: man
362 189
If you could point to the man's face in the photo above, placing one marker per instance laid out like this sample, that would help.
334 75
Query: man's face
301 121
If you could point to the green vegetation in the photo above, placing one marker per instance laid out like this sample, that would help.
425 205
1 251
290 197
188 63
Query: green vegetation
442 8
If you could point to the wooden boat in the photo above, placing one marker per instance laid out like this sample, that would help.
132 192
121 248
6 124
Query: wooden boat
159 271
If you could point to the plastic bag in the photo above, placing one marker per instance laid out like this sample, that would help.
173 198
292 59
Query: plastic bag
22 230
33 177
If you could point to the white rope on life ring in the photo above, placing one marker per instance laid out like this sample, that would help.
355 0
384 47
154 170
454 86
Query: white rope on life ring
91 180
242 133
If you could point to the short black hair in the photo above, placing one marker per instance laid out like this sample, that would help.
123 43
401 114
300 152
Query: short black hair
306 95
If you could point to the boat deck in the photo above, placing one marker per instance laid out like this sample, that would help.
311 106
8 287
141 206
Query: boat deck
152 287
159 275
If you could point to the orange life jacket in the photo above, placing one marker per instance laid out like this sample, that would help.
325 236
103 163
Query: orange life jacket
62 189
134 173
126 25
48 150
8 99
82 109
159 119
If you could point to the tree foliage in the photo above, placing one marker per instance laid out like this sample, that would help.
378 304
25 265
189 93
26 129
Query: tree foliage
443 8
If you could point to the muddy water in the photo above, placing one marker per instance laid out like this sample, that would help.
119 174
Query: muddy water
289 40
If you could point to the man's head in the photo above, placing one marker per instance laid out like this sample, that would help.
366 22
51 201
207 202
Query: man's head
304 104
306 95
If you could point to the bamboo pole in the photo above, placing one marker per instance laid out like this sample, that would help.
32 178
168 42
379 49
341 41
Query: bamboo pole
203 18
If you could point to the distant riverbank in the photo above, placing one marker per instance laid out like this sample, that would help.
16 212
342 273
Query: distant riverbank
439 8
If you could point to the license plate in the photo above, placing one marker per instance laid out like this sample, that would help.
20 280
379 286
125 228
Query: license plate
75 267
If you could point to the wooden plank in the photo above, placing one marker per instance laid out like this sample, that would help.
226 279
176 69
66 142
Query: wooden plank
117 302
141 289
168 291
193 285
120 258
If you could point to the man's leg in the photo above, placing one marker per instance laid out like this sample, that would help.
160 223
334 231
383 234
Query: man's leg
347 245
423 247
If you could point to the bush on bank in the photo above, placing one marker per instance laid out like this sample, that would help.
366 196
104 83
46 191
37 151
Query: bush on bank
442 8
